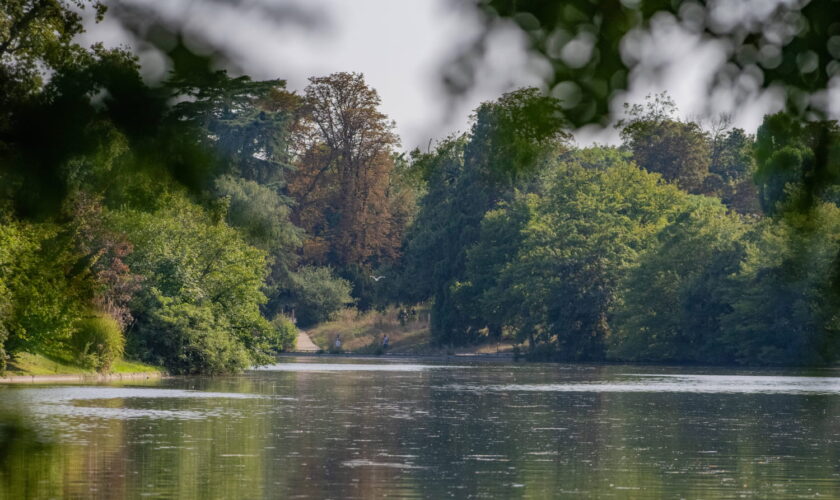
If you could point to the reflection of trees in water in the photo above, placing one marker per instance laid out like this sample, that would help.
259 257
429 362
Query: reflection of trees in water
21 444
365 435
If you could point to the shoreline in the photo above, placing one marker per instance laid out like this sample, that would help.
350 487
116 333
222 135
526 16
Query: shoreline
397 355
80 377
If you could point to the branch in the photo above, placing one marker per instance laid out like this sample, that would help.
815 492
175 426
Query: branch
22 23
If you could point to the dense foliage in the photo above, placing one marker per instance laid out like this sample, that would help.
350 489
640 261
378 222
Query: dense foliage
165 222
605 253
194 223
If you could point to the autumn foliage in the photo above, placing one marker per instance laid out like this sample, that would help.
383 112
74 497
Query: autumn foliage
343 173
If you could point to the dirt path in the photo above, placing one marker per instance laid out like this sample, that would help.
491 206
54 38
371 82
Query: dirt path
304 343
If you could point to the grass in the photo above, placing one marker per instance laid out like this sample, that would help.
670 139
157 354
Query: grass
362 333
26 363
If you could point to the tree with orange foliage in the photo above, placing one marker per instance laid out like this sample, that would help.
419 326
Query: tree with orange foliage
345 162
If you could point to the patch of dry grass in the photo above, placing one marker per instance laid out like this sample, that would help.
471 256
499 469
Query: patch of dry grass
362 333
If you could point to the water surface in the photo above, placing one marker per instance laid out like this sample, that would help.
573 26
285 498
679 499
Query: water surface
374 428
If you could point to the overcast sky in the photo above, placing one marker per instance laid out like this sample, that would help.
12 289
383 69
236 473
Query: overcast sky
401 47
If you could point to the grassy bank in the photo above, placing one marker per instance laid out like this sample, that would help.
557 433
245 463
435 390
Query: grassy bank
37 364
362 333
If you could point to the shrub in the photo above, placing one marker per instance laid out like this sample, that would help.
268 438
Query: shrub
98 341
189 339
283 335
319 294
199 309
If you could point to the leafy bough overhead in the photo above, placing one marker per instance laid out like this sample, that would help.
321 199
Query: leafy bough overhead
593 47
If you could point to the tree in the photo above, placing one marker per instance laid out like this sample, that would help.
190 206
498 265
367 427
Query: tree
783 297
344 169
670 305
249 124
797 162
501 239
510 140
199 309
50 288
665 145
317 295
731 155
588 228
36 34
732 168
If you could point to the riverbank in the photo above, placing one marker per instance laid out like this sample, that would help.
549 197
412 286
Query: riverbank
86 378
37 368
362 334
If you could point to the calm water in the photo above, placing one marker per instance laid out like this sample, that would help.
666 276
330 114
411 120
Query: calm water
344 428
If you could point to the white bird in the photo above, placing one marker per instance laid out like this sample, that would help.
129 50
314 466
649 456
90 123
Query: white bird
376 278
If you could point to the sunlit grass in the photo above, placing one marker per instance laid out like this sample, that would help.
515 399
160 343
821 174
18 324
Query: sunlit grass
26 363
125 366
362 333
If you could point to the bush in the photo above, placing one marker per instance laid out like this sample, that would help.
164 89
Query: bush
199 308
319 294
190 339
284 334
98 342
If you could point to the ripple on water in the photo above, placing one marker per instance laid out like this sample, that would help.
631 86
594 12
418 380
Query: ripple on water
387 465
65 402
351 367
709 384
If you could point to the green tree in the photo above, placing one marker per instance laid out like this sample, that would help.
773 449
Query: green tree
35 34
466 177
670 305
198 311
586 230
501 239
663 144
784 303
318 294
797 162
249 124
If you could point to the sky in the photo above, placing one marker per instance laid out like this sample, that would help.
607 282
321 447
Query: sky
402 46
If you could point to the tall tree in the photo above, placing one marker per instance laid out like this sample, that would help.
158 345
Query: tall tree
344 169
510 140
248 123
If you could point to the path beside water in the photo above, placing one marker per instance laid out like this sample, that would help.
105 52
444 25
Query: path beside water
304 343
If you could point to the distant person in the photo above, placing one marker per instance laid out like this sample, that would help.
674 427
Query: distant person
413 314
402 316
337 342
385 342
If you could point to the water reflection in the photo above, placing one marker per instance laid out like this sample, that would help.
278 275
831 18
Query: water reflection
116 402
433 431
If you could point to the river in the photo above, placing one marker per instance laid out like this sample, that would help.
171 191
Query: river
374 428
